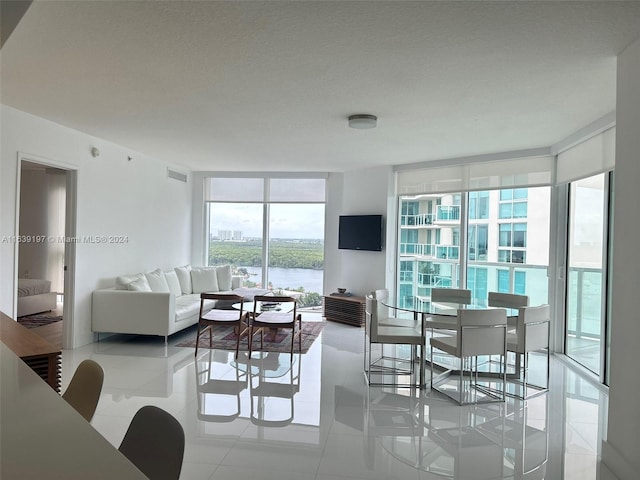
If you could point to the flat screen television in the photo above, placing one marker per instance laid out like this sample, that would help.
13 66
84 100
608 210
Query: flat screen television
360 232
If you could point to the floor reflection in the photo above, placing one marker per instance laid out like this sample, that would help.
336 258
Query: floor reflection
476 442
272 380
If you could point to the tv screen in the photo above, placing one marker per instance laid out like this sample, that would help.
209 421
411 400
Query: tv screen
360 232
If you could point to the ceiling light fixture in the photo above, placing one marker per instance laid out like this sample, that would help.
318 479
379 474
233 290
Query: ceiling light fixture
362 121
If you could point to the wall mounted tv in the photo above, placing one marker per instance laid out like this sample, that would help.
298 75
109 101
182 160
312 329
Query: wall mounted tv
360 232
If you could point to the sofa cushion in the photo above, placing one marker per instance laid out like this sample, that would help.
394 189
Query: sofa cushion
184 277
173 282
157 282
204 279
139 285
189 305
123 281
223 273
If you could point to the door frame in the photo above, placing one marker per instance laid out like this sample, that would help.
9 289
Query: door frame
70 232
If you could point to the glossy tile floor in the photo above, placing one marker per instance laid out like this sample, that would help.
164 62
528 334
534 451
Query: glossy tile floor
318 420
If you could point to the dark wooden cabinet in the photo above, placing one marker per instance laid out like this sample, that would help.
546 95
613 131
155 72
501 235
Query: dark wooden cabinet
343 309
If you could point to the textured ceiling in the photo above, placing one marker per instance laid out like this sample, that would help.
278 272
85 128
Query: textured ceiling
267 86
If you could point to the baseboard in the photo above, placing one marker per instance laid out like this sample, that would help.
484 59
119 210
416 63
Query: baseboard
617 464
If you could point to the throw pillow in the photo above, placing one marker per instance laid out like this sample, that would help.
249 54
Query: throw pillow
204 279
224 277
123 281
157 282
173 282
184 277
139 285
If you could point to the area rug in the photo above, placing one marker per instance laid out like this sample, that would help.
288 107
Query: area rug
225 339
40 320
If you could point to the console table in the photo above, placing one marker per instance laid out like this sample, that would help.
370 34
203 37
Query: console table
345 309
35 351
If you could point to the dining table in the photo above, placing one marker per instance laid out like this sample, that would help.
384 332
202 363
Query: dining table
44 437
443 317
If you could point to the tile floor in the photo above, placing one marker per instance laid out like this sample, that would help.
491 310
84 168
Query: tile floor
320 421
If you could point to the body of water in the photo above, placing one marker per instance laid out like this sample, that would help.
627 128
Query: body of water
310 279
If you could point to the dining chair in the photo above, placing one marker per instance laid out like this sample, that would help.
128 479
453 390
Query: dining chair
275 312
223 318
451 295
154 443
84 389
531 335
388 335
507 300
479 332
384 317
218 392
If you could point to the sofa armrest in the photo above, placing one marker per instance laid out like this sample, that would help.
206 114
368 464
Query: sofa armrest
236 281
123 311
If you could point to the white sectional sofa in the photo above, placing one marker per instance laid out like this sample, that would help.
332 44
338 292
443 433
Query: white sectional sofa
160 303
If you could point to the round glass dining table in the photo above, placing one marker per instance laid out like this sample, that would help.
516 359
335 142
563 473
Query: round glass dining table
441 316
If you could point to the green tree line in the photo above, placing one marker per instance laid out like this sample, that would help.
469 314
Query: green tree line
283 254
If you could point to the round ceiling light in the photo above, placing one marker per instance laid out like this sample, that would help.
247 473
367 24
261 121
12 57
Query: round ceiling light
362 120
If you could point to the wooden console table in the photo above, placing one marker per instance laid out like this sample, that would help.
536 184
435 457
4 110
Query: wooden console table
343 309
35 351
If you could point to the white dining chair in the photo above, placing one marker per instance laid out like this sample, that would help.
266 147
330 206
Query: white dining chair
531 335
385 365
479 332
451 295
385 315
507 300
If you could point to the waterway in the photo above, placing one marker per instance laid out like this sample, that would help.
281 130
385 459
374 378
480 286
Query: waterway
290 278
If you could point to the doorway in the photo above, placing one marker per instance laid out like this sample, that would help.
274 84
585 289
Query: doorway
44 256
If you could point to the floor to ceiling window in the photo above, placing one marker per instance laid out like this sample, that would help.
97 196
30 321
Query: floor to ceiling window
271 230
507 247
429 246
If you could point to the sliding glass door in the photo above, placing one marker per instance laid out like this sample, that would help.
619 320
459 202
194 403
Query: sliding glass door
587 271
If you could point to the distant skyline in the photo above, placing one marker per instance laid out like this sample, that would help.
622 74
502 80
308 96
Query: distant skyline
287 221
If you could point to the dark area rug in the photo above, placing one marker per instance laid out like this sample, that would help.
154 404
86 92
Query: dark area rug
39 320
225 339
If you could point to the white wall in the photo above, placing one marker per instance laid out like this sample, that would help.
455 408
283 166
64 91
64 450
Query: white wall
114 197
365 192
620 451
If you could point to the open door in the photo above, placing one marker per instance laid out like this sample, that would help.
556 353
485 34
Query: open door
44 257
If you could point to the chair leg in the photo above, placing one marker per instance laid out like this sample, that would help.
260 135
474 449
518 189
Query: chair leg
238 339
431 363
293 340
197 339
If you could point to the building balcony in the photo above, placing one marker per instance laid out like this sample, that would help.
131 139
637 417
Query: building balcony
448 213
420 220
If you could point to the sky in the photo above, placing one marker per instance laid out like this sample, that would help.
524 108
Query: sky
287 220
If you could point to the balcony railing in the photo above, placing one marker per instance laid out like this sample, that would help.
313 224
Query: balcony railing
448 213
420 249
442 252
417 220
429 280
451 252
